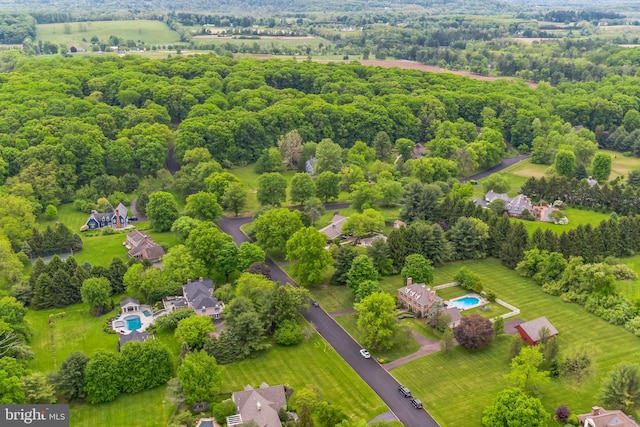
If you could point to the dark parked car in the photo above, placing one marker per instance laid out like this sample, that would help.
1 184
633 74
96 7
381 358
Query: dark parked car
404 391
416 403
133 218
315 303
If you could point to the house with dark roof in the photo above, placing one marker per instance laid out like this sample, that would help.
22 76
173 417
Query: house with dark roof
198 295
132 336
530 331
117 219
418 297
142 246
260 405
334 229
600 417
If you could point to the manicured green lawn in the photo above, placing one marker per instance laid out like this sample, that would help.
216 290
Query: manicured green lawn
576 217
490 311
149 408
457 386
621 165
403 343
151 32
78 330
249 177
631 288
453 292
420 327
313 362
67 215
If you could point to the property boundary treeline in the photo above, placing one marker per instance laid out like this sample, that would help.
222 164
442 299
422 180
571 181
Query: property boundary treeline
507 240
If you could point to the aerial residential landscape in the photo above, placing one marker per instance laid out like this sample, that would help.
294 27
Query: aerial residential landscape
297 214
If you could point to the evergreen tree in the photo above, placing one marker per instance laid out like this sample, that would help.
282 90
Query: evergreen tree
64 237
54 265
36 241
397 242
342 263
70 265
379 254
304 417
516 243
60 283
76 243
553 242
538 240
38 268
117 269
79 276
499 228
42 292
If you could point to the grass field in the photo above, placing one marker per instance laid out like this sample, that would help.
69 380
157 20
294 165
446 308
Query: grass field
576 217
313 362
403 343
78 330
150 32
630 289
249 177
457 386
149 408
264 41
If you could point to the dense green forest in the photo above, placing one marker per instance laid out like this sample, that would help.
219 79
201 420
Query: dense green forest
113 116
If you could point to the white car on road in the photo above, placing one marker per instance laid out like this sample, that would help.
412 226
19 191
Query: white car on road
365 353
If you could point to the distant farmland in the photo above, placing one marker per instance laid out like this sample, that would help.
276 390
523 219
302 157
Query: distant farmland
73 33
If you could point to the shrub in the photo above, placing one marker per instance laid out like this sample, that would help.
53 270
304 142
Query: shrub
562 413
288 333
491 295
50 212
623 272
223 410
106 327
633 326
614 309
467 278
474 332
170 321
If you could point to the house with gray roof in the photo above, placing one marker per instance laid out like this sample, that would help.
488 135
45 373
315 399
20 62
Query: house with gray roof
132 336
334 229
418 297
518 204
117 219
600 417
530 331
260 405
492 195
129 305
198 295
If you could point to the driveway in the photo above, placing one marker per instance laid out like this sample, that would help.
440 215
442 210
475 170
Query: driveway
505 163
382 383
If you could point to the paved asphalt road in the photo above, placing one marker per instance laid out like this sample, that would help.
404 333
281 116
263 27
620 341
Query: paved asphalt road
369 370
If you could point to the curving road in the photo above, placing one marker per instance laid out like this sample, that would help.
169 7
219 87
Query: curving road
369 370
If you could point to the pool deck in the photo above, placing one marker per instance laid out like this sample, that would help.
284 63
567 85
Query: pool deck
481 301
120 325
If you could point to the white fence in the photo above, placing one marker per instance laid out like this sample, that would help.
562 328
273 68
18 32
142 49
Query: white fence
514 310
445 286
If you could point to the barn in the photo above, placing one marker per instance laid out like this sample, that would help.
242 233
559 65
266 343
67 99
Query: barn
530 331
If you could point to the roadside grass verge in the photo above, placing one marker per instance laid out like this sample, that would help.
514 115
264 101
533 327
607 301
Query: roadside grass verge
458 385
313 362
403 343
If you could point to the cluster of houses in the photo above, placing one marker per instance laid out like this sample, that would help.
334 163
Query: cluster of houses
517 206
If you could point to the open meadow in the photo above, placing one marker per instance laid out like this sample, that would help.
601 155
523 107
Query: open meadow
79 34
455 387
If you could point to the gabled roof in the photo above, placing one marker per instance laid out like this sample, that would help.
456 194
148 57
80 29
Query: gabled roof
532 328
122 210
454 313
133 336
136 236
334 229
420 293
153 252
480 202
607 418
518 204
199 293
261 405
147 244
129 300
101 216
492 195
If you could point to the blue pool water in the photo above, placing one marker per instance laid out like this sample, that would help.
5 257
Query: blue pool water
133 323
146 313
464 303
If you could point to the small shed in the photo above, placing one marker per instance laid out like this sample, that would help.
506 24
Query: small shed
530 331
129 305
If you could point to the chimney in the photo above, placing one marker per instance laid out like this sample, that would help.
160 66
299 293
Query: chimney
258 405
118 224
595 410
409 281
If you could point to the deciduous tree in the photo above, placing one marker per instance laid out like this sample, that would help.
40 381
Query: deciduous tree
306 246
95 293
194 330
474 331
513 407
328 186
376 320
102 377
162 210
272 189
200 377
524 370
203 206
302 188
418 268
275 227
